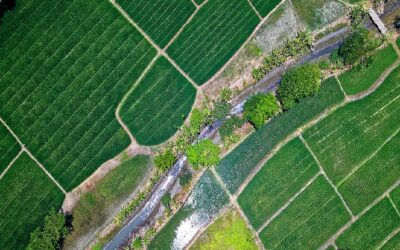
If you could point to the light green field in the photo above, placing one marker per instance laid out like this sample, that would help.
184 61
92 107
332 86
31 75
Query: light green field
313 217
279 179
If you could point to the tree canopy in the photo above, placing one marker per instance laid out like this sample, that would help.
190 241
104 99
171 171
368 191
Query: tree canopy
203 154
259 108
165 160
298 83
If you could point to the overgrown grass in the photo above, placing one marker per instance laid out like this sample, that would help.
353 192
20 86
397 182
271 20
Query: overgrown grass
212 37
359 78
309 221
264 7
9 148
371 229
373 178
227 232
65 67
235 167
94 207
159 18
279 179
352 133
26 196
171 97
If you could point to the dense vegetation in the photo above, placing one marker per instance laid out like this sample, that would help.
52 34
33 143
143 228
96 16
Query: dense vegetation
259 108
61 83
212 37
8 148
158 106
203 154
6 5
27 195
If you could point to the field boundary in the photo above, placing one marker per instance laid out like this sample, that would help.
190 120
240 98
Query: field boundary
255 10
389 237
23 148
11 163
326 176
394 205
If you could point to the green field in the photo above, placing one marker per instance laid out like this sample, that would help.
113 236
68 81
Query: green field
65 67
227 232
393 243
264 7
373 178
371 229
235 167
9 148
160 19
212 37
199 1
395 195
279 179
203 204
352 133
171 97
360 79
26 196
308 222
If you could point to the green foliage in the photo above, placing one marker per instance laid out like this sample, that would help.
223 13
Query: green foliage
221 110
336 60
185 178
136 244
148 236
229 125
298 83
165 160
166 200
259 108
231 139
225 95
50 236
357 15
203 154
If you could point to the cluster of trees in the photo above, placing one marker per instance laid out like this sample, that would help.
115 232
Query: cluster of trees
291 49
6 5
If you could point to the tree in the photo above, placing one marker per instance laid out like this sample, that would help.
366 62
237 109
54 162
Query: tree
259 108
203 154
165 160
6 5
298 83
51 235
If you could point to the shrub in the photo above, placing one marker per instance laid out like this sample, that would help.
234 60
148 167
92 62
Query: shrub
185 178
227 128
221 110
298 83
357 15
259 108
165 160
203 154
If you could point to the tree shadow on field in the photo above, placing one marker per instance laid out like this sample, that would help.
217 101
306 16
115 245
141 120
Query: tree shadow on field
6 5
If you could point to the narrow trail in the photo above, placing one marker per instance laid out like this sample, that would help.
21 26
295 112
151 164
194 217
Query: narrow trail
11 163
255 10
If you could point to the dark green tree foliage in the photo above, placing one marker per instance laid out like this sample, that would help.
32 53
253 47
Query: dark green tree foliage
51 235
357 15
165 160
356 47
203 154
259 108
229 125
298 83
221 110
166 200
6 5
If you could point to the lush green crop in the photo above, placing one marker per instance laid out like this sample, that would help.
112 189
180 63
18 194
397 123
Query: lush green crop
199 1
212 37
360 78
279 179
373 178
393 243
205 201
8 148
395 195
264 7
235 167
26 197
371 229
159 104
65 67
159 18
309 221
348 136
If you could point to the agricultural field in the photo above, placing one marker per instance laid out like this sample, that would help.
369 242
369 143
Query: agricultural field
360 78
343 140
265 7
171 97
9 148
279 179
235 167
227 232
203 204
160 19
371 229
309 221
26 196
215 33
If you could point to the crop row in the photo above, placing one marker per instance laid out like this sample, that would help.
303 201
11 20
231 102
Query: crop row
26 196
62 104
215 33
8 148
159 18
264 7
171 97
235 167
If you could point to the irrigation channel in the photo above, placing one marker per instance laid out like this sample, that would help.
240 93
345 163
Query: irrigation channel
322 48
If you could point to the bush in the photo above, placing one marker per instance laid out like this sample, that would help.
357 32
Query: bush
357 15
298 83
227 128
51 235
259 108
221 110
185 178
165 160
203 154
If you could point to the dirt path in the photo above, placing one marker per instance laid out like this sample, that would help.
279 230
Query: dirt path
11 163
